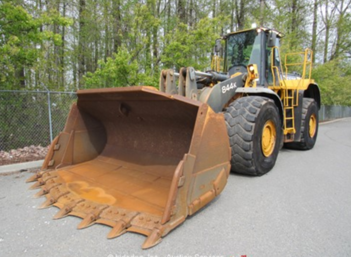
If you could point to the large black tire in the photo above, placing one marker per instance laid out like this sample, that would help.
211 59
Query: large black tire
309 126
253 152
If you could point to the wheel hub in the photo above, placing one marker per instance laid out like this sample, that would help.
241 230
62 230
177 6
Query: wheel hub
312 125
269 135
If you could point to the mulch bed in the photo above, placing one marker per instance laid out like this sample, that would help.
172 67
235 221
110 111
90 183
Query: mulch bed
26 154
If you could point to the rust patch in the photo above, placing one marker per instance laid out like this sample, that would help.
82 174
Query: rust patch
95 194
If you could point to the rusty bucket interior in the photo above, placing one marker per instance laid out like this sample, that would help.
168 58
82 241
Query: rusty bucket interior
123 147
125 153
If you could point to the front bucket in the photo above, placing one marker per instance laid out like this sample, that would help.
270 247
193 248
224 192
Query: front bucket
135 159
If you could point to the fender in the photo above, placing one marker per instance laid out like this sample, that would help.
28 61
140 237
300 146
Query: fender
313 91
220 94
266 92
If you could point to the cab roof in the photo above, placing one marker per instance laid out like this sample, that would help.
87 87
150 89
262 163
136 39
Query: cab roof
258 29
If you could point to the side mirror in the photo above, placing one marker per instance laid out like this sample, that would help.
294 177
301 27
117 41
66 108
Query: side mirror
272 39
218 46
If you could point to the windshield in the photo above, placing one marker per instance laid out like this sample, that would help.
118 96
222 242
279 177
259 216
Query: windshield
243 49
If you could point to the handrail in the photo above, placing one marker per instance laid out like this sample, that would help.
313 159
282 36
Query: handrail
276 68
306 62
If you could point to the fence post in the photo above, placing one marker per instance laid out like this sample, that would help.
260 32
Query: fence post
322 113
49 110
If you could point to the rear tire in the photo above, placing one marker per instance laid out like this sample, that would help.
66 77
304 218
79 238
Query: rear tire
309 126
254 130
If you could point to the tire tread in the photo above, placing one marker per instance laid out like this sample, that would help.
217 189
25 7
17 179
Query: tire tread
240 117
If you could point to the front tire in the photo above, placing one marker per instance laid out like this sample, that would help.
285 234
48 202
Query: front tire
254 130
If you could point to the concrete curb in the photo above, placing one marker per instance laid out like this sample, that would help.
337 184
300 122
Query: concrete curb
20 166
332 121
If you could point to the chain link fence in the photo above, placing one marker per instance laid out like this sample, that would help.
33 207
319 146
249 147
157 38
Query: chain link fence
29 120
333 112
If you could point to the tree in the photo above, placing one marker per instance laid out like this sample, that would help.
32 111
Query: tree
20 43
334 80
314 30
342 42
118 71
190 47
19 32
60 43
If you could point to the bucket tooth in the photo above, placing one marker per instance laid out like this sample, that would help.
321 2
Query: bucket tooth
35 177
153 239
119 219
41 181
36 185
62 213
87 221
46 189
117 230
48 176
93 214
42 192
66 209
52 198
49 202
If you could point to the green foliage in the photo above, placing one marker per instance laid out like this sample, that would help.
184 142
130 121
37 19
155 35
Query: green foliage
343 43
334 80
66 45
18 29
190 46
20 40
118 71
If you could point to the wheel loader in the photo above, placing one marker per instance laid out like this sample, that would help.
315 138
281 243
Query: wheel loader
141 160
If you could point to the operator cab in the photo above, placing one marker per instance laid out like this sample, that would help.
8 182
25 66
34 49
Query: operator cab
253 46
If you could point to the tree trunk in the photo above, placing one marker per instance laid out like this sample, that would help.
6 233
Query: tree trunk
191 11
326 38
62 54
37 72
294 16
117 25
81 43
240 13
214 9
232 16
294 23
262 12
181 11
155 39
57 52
340 29
107 32
20 76
314 30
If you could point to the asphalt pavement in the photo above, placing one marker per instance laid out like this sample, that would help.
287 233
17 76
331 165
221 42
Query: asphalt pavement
300 208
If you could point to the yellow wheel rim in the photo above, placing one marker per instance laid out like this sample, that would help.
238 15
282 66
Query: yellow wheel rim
269 135
312 125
